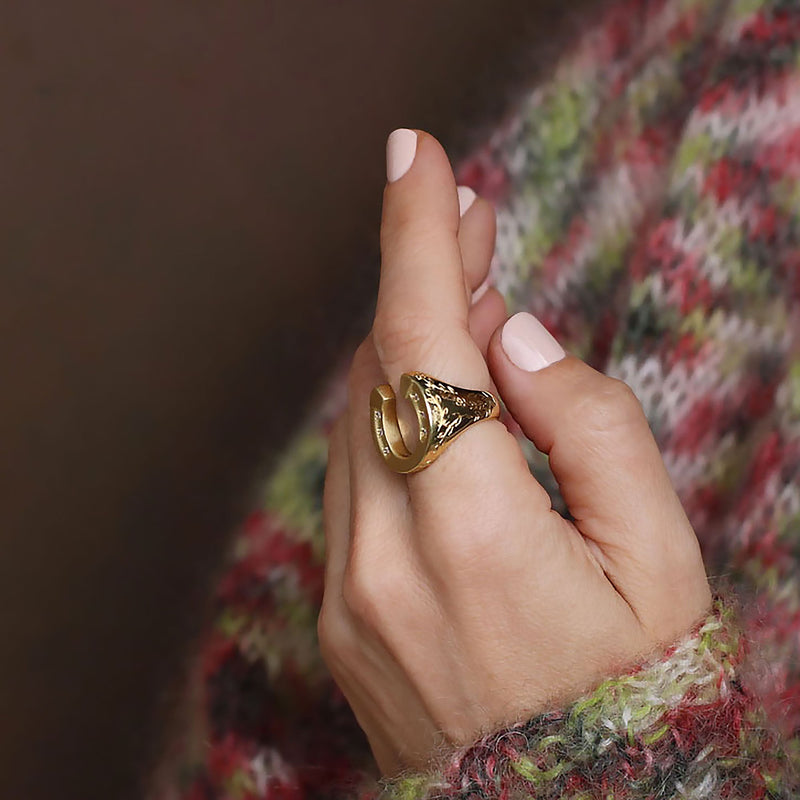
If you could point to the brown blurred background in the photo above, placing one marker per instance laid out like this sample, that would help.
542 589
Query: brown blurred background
189 207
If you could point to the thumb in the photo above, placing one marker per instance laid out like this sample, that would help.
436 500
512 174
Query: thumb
609 470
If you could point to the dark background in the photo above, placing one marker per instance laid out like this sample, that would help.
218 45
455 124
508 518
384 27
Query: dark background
189 206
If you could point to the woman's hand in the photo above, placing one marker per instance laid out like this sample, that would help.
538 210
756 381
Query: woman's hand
456 599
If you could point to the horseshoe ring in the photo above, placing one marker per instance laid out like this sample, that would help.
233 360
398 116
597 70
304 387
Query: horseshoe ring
443 412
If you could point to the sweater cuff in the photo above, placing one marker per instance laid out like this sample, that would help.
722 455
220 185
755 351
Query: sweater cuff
680 725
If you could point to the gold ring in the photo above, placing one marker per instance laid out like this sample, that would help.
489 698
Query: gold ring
443 411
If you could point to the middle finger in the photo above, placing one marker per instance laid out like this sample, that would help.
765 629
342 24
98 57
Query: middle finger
422 315
421 318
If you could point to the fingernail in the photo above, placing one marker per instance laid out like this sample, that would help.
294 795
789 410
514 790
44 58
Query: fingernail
480 291
466 197
528 344
401 147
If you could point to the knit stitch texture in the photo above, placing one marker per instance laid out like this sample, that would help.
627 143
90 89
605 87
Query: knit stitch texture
648 202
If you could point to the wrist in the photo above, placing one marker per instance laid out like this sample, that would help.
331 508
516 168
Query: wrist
674 723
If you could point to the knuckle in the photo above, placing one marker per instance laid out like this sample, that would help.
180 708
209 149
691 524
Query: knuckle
396 228
611 406
324 627
362 596
361 368
363 357
405 232
399 337
334 639
375 593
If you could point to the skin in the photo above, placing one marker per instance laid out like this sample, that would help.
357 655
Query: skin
456 599
189 201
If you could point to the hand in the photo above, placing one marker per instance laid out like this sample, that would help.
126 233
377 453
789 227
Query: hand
456 599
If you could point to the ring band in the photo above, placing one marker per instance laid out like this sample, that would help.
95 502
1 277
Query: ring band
443 412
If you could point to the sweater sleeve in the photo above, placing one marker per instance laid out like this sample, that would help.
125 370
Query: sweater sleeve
709 717
681 725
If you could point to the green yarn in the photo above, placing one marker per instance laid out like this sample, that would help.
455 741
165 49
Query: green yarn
294 491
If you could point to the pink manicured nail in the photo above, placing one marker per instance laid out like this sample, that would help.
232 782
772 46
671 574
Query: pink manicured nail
528 344
466 197
480 291
401 147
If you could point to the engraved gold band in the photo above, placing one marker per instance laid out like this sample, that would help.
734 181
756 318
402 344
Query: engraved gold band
443 411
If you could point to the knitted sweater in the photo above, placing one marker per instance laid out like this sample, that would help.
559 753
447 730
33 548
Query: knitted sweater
648 201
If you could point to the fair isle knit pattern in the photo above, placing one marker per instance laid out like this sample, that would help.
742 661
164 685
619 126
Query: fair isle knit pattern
638 735
648 200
